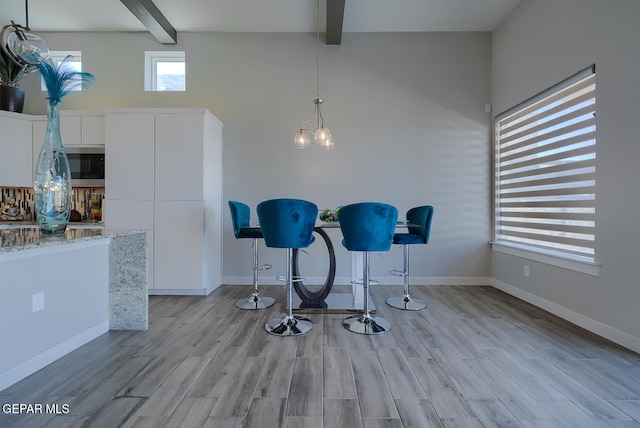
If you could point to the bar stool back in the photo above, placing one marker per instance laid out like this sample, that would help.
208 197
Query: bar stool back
288 223
420 220
241 220
367 227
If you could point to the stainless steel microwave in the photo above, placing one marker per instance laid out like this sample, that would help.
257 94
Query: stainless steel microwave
87 166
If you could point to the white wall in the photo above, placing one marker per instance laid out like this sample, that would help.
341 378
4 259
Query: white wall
407 112
539 44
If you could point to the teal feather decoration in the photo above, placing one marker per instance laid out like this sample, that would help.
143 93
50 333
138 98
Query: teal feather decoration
63 79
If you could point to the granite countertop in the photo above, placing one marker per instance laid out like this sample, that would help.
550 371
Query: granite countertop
24 238
31 223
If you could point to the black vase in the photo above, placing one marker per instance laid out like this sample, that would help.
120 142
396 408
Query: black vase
11 98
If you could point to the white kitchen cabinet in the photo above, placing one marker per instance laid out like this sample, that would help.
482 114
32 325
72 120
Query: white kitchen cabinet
38 132
129 153
15 150
77 128
70 130
92 130
179 239
179 157
172 159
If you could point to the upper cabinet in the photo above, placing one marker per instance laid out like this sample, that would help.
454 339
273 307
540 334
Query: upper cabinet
22 135
15 150
161 154
92 130
77 128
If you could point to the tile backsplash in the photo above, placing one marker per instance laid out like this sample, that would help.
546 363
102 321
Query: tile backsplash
80 200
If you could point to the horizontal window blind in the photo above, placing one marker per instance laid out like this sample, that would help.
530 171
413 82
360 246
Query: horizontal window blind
545 170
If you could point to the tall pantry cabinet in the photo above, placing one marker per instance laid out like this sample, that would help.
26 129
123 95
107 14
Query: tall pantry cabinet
164 175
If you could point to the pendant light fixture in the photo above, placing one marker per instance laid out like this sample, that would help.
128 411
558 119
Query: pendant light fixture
322 135
22 47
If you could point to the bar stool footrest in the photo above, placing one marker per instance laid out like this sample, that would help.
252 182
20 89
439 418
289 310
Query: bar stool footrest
396 272
265 266
294 279
361 282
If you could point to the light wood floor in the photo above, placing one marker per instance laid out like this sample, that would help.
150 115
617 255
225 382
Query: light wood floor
475 357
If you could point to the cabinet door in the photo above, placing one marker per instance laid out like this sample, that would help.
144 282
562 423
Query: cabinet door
129 153
74 131
179 157
132 215
15 152
39 130
70 130
92 130
178 252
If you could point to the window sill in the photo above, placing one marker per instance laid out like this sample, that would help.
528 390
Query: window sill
577 265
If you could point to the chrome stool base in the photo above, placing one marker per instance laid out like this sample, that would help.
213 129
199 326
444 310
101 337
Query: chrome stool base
406 303
289 326
366 324
255 302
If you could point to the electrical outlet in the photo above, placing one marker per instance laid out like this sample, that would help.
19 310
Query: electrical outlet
526 270
37 301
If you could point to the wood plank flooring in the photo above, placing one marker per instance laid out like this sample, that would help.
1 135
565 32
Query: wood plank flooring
475 357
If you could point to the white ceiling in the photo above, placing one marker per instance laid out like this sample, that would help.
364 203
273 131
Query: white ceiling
262 15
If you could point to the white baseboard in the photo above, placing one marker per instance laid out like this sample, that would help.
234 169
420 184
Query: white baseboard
32 365
386 280
178 292
603 330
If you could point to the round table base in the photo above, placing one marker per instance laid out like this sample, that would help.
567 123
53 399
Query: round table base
406 303
255 302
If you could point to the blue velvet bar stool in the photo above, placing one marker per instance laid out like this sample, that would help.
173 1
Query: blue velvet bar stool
241 219
288 223
367 227
419 219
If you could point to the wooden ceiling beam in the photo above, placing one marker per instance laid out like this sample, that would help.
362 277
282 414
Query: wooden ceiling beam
151 17
335 16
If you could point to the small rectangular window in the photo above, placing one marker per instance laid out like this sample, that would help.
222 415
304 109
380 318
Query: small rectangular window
75 63
164 71
545 164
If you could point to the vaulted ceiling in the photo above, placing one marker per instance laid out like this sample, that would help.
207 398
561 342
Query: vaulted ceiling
337 16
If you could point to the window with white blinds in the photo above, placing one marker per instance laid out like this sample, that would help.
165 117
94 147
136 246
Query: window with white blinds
545 170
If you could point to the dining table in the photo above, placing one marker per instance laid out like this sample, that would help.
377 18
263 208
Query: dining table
321 297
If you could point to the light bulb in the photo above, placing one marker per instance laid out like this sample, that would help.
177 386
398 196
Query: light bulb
323 136
29 48
328 145
301 140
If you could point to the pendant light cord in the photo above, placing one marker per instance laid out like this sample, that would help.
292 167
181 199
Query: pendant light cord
322 135
26 12
318 48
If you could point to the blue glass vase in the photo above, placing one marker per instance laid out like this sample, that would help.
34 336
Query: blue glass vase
52 184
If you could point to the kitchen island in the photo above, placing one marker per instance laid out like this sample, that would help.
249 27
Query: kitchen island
58 292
